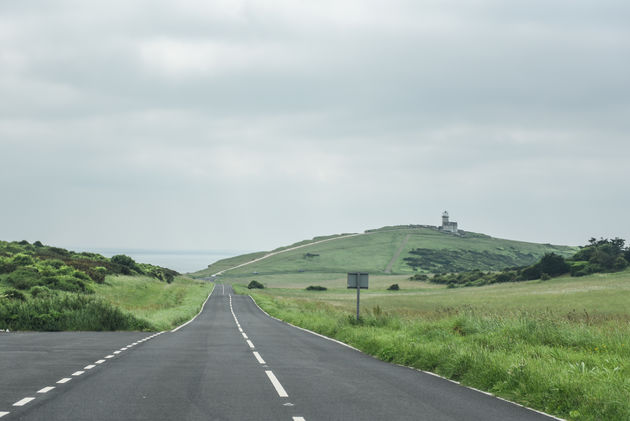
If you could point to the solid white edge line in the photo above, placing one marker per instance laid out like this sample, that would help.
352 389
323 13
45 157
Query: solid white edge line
24 401
259 358
3 413
46 389
274 381
202 306
64 380
411 368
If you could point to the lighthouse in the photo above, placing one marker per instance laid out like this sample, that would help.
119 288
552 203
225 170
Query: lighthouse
447 225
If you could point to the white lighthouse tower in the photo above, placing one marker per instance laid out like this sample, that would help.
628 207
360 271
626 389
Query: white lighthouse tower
447 225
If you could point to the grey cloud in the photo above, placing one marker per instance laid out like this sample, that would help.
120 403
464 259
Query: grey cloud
277 121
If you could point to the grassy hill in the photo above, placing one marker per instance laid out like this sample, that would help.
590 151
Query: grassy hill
395 250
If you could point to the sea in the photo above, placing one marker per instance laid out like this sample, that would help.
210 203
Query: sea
182 261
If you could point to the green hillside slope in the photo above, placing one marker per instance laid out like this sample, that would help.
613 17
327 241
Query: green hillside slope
402 250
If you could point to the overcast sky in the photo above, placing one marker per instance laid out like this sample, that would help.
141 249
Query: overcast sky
247 125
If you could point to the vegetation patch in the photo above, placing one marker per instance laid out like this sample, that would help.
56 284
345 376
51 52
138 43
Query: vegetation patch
50 288
64 311
316 288
599 256
255 285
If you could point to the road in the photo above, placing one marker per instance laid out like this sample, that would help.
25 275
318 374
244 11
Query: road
232 362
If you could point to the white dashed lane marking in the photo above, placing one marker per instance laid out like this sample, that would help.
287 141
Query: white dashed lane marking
64 380
272 378
23 402
259 358
274 381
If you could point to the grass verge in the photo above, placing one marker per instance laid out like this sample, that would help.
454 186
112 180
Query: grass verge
162 305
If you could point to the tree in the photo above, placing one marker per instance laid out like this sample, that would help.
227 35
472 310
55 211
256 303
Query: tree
553 265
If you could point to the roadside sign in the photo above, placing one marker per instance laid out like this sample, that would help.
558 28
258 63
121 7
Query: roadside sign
358 281
360 278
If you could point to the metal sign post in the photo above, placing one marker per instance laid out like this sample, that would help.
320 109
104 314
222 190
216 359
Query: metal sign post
358 280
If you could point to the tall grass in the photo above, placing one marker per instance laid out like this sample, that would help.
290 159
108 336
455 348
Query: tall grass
571 368
66 312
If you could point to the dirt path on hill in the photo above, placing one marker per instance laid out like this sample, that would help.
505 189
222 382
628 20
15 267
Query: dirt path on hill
396 255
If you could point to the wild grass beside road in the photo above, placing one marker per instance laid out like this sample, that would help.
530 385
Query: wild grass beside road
162 305
561 346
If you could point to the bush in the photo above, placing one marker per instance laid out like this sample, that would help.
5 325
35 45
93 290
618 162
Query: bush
6 265
23 277
393 287
316 288
124 260
22 259
255 285
545 277
14 294
553 265
41 291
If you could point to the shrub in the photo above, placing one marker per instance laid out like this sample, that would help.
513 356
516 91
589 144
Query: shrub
393 287
41 291
6 265
23 277
316 288
14 294
553 264
255 284
545 277
531 272
22 259
124 260
620 263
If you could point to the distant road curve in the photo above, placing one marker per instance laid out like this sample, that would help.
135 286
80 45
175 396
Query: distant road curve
285 250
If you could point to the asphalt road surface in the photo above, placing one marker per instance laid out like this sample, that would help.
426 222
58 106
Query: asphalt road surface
232 362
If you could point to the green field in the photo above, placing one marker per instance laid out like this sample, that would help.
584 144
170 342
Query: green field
161 304
561 346
372 252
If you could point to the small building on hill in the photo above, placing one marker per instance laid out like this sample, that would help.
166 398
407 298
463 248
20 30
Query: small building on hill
448 226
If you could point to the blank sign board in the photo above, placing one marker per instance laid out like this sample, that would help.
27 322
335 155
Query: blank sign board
358 278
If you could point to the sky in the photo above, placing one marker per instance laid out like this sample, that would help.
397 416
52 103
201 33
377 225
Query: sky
248 125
